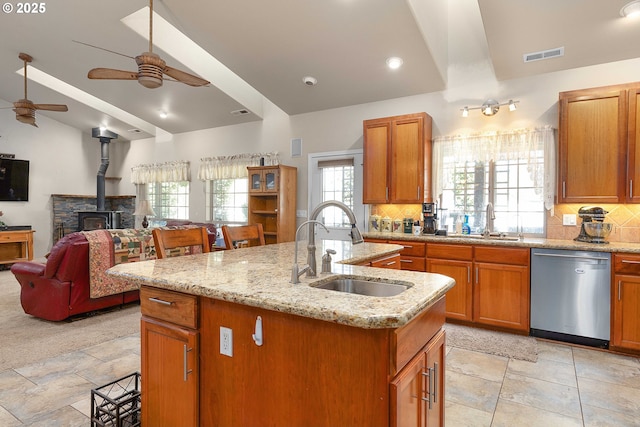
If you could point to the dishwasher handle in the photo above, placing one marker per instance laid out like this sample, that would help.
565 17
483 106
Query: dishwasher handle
590 258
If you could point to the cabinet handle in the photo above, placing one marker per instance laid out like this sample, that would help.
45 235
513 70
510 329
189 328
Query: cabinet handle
407 246
419 198
468 274
434 393
619 289
476 275
631 189
564 193
427 389
406 260
160 301
390 263
626 261
185 369
386 193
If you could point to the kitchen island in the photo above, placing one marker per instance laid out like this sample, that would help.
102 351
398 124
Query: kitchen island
228 340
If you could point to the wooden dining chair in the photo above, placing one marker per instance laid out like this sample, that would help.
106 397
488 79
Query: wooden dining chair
180 241
252 234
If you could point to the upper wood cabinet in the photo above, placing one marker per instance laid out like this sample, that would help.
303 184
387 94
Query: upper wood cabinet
397 159
597 148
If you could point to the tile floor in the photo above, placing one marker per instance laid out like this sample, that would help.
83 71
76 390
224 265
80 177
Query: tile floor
567 386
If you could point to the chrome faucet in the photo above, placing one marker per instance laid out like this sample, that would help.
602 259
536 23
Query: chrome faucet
356 237
295 271
491 216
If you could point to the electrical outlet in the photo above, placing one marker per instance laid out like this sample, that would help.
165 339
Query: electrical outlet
226 341
568 219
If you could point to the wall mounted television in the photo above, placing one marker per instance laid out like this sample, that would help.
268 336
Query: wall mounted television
14 180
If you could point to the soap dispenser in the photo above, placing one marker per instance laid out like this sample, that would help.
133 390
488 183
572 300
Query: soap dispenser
465 226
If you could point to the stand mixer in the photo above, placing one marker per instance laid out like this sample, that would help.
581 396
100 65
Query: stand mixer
592 214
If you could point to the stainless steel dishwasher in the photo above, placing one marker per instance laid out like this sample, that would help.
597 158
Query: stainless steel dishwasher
570 296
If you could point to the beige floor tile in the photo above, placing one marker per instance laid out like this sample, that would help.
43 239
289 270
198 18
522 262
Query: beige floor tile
541 394
545 369
116 348
598 417
457 415
63 417
608 396
7 419
609 373
510 414
52 368
111 370
472 391
601 357
83 406
486 366
553 351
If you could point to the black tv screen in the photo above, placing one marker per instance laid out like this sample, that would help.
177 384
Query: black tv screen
14 180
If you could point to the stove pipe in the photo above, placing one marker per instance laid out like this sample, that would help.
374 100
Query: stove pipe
105 137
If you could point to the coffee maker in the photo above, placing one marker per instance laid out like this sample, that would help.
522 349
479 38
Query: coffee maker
429 218
590 214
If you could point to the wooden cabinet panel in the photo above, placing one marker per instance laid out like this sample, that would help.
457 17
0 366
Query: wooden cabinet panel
435 381
397 159
169 362
407 392
16 246
627 263
633 168
460 297
173 307
501 295
502 255
392 261
446 251
410 248
597 120
625 331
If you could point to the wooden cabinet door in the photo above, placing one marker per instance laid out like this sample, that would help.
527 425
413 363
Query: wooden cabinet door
633 143
169 362
592 147
407 395
391 262
263 180
501 295
626 312
377 137
435 355
459 300
407 160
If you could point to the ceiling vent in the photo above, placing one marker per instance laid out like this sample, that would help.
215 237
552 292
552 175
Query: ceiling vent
544 54
241 112
134 131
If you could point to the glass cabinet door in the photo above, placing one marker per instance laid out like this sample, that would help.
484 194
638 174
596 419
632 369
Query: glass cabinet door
270 180
255 181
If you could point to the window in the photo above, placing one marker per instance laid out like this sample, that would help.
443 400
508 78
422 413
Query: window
228 200
169 199
337 184
506 169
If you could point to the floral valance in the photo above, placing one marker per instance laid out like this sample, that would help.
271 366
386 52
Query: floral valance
175 171
231 167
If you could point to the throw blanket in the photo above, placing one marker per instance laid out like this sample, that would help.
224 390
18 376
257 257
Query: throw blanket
111 247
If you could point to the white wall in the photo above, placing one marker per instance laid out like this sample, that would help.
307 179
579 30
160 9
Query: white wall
64 161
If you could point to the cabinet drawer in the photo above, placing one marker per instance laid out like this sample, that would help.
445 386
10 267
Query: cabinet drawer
502 255
392 261
410 248
173 307
444 251
627 263
413 263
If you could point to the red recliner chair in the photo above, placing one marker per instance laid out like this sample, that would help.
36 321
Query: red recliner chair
60 288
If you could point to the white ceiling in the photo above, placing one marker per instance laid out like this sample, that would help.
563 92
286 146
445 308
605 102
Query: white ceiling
272 45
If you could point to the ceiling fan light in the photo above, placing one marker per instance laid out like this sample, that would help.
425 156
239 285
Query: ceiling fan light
465 112
150 82
490 107
631 9
512 105
394 62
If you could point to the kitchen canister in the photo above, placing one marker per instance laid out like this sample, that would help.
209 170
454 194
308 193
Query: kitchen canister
397 226
417 230
408 225
374 223
386 224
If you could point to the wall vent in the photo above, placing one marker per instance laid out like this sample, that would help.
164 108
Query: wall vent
544 54
241 112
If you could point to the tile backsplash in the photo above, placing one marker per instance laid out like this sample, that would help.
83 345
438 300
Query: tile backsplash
625 219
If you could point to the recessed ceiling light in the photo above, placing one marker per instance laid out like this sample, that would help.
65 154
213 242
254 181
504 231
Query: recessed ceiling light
163 114
394 62
631 9
310 81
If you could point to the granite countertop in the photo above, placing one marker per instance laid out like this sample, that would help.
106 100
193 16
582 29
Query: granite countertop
260 277
523 243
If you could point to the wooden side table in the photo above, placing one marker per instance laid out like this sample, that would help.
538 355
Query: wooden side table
16 245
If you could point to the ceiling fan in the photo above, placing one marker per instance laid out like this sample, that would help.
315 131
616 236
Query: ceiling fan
151 68
24 108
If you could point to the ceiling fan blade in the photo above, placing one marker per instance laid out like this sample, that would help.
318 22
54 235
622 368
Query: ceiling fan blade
185 77
27 119
51 107
111 74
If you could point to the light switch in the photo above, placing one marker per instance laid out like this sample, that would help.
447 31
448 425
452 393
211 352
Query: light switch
569 219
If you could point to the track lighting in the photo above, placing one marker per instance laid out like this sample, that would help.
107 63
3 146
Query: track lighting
490 107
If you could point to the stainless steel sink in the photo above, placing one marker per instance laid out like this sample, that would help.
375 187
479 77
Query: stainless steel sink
363 286
480 236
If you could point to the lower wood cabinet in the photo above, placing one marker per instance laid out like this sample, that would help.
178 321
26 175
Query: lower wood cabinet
412 255
169 359
492 283
625 295
417 393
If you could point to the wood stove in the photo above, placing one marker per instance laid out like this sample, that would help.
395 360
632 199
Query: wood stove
96 220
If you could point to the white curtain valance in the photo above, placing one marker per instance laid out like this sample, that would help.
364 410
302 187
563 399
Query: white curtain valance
231 167
508 145
161 172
